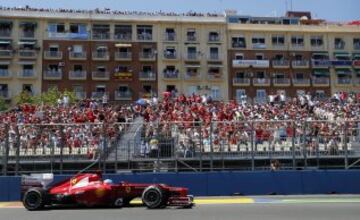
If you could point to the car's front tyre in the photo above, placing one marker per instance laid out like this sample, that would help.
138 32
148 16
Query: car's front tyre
153 197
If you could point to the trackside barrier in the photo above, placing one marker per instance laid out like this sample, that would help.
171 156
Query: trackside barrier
230 183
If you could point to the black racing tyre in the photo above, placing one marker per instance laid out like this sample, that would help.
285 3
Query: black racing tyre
153 197
34 199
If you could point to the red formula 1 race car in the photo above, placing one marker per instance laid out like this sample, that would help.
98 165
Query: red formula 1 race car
90 190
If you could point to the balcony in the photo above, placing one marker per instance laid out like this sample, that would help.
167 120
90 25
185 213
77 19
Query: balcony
5 33
100 75
356 81
77 55
171 75
251 63
241 81
259 46
144 37
123 36
80 95
342 63
321 64
123 56
56 35
300 64
27 54
238 45
192 76
214 38
52 74
101 56
123 95
281 64
343 81
192 56
300 82
101 36
27 74
171 37
170 56
53 55
214 57
99 95
6 53
191 38
5 94
147 56
147 76
281 82
5 74
27 34
215 76
356 64
261 82
320 81
77 75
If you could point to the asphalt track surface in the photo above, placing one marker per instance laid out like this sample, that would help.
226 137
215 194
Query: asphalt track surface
249 208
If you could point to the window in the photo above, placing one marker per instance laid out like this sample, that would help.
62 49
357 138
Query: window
124 89
261 94
3 87
77 48
258 40
214 36
239 56
54 48
191 34
77 88
260 75
240 94
4 70
214 53
78 67
170 52
144 32
279 57
101 31
259 56
146 69
170 34
297 41
238 42
278 40
316 41
320 94
100 88
240 75
215 92
299 76
123 32
27 88
339 43
147 88
101 69
122 69
192 90
53 67
356 43
298 57
191 50
56 28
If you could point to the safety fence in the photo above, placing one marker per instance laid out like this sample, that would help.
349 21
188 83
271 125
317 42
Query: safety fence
184 142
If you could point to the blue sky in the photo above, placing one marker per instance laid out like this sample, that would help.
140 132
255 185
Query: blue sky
332 10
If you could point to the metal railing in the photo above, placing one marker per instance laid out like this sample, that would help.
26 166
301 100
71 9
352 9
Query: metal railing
77 75
53 54
198 145
123 55
5 73
27 53
77 55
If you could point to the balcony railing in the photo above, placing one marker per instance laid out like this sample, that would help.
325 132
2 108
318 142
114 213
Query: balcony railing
27 74
214 38
6 53
342 63
170 56
281 82
147 76
192 56
356 64
174 75
214 57
5 94
321 63
77 55
123 55
27 53
259 46
120 95
214 76
123 36
251 63
301 82
280 63
343 81
52 74
101 36
241 81
321 81
147 56
261 82
5 74
192 76
169 37
339 46
100 75
144 37
103 55
191 38
53 55
27 34
300 64
77 75
238 45
5 33
99 95
80 95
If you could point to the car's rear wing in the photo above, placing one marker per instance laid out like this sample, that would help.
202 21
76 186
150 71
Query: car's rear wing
35 180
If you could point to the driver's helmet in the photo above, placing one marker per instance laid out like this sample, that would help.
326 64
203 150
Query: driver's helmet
108 181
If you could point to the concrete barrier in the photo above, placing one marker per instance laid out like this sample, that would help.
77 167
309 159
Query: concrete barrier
229 183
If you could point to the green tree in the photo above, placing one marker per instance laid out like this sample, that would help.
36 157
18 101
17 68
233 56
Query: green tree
3 105
26 97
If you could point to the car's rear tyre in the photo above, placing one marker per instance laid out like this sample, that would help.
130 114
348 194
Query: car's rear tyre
153 197
34 199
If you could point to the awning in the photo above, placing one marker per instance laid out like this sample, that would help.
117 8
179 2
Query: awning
320 54
123 45
26 62
344 72
101 47
356 55
27 42
321 73
192 66
4 62
5 42
216 65
341 54
27 23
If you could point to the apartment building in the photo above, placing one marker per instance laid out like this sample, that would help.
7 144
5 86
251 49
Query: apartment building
290 56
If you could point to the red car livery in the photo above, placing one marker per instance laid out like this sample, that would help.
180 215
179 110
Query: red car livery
90 190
